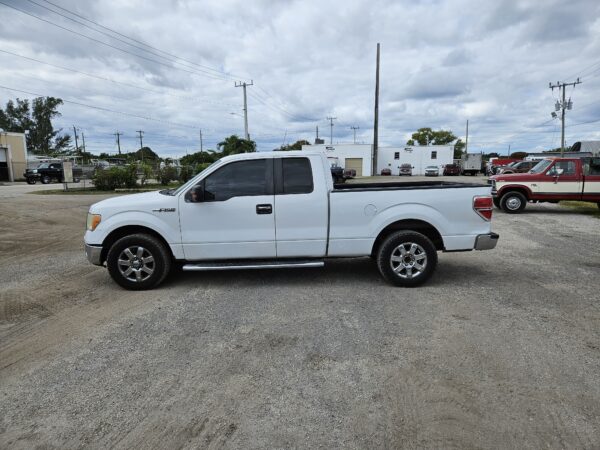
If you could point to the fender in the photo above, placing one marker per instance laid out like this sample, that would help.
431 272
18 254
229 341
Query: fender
167 227
509 187
409 211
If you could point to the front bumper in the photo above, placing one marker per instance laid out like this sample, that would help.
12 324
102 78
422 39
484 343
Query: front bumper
94 254
486 241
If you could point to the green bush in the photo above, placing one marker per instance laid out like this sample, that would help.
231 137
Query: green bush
200 167
185 174
166 174
115 178
146 173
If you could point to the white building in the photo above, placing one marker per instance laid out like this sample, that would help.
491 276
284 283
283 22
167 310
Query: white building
360 157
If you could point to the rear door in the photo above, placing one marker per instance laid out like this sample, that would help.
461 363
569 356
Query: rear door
301 208
591 184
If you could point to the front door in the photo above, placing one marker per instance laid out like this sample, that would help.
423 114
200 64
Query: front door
235 220
561 180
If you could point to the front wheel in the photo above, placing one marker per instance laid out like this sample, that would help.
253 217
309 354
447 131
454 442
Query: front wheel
496 201
513 202
31 180
138 262
46 179
406 258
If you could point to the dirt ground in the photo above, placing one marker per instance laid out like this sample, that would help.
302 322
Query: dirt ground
501 349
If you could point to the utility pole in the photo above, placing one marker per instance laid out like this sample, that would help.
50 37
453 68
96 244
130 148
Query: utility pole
201 146
353 128
509 150
467 139
83 140
141 133
244 84
376 118
331 119
563 106
118 135
75 133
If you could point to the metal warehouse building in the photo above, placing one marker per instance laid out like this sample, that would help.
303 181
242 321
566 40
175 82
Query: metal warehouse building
360 157
13 156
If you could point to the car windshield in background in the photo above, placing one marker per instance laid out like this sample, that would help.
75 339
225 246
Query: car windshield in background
43 166
541 166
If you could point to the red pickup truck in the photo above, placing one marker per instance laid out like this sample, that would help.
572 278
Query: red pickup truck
551 180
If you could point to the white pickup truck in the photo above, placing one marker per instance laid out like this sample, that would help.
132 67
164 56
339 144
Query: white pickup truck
281 209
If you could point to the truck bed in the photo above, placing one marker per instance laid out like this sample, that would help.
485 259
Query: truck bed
404 185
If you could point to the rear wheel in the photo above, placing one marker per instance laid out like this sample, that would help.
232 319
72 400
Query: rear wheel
406 258
45 179
138 262
31 180
513 202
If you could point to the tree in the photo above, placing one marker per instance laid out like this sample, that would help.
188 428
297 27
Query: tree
43 138
233 144
518 155
295 146
427 136
206 156
458 149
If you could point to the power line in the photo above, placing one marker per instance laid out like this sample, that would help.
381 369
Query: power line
100 108
353 128
99 77
138 41
563 106
243 85
197 73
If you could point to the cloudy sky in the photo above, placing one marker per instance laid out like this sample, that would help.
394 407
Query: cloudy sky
169 68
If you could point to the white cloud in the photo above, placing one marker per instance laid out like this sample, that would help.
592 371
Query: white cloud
442 63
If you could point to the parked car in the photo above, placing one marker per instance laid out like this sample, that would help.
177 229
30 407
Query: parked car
278 210
49 172
337 173
432 171
451 169
349 173
386 172
551 180
405 169
471 163
518 167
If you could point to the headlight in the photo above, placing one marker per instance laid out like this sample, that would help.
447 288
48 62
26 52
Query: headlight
34 171
93 220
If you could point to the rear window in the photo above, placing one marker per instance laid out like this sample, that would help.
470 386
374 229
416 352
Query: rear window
297 176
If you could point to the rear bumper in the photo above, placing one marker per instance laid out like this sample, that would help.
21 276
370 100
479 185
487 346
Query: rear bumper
486 241
94 254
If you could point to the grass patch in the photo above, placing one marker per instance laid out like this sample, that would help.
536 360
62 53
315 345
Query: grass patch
92 191
586 208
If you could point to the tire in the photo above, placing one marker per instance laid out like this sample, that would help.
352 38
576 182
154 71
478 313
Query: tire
513 202
31 181
142 272
45 179
402 253
598 205
496 201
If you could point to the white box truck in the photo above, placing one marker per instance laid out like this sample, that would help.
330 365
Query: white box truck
470 164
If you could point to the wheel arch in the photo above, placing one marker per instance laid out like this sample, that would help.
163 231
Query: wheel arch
420 226
515 188
128 230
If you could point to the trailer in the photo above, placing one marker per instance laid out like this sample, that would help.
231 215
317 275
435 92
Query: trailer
470 164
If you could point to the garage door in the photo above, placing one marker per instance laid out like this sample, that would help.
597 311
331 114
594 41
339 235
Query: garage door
354 163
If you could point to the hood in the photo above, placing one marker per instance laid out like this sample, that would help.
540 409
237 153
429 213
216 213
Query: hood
513 177
145 201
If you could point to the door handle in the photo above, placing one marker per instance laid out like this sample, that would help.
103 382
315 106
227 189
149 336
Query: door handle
264 209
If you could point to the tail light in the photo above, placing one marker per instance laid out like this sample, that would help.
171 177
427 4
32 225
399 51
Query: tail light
483 206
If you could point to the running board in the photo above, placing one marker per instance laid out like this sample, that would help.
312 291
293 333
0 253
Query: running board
290 264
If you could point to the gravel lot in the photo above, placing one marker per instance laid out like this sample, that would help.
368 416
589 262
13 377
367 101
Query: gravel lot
500 349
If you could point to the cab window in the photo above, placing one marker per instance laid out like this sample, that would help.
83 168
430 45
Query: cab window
238 179
568 168
593 168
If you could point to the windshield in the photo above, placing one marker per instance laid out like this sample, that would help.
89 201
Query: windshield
176 191
43 166
541 166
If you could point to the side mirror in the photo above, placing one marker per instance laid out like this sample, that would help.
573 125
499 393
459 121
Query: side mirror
195 194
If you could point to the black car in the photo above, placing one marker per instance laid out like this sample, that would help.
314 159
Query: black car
46 173
337 173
